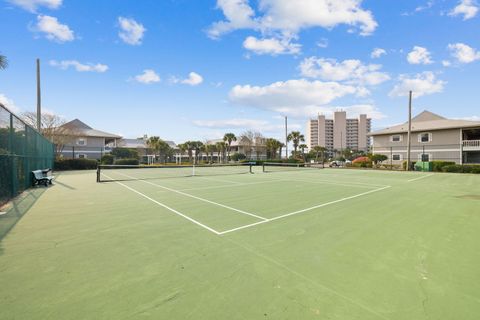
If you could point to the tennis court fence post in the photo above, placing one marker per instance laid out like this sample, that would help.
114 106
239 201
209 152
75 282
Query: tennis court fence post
98 173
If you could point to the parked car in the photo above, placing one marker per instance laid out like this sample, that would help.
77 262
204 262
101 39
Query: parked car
336 164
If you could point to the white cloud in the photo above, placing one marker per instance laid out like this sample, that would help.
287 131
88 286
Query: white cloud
322 43
238 14
472 118
466 8
377 53
131 32
33 5
464 53
271 46
446 63
350 71
421 84
194 79
147 77
240 124
53 29
231 123
289 17
80 67
7 102
283 95
419 55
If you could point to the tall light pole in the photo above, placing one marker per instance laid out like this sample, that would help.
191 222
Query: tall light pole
286 137
39 99
409 142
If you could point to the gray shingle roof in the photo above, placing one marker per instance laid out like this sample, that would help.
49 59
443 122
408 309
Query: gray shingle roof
428 121
80 128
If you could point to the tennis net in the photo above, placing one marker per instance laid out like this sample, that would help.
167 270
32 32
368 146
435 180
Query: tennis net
107 173
281 167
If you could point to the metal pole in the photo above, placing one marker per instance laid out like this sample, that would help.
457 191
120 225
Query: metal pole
286 137
391 158
409 142
39 99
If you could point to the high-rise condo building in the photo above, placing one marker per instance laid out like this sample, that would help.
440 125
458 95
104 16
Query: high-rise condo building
339 133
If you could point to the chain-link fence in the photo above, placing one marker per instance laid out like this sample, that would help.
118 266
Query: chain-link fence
22 150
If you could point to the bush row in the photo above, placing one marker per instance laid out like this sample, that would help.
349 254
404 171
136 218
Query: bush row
126 161
458 168
75 164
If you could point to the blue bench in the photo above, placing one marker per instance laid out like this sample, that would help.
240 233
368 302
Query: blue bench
42 177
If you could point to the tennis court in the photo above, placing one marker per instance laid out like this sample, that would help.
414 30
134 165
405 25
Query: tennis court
243 242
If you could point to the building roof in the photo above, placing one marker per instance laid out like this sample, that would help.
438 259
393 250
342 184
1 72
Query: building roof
80 128
141 143
428 121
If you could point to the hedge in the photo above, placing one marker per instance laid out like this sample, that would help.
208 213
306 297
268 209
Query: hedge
458 168
438 165
75 164
107 159
127 161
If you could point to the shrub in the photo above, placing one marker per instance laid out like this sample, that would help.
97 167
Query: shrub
107 159
238 156
458 168
438 165
127 161
125 153
75 164
412 165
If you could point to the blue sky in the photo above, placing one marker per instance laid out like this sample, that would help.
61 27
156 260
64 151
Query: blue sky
185 69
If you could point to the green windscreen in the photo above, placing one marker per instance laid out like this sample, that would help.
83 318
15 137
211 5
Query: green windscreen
22 150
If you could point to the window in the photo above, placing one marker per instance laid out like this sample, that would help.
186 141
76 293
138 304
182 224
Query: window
396 157
425 137
396 138
81 141
424 157
82 156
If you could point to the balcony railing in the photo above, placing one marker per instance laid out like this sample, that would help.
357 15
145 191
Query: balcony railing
471 144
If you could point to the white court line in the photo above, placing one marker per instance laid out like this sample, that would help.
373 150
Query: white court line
168 208
354 184
304 210
230 185
198 198
422 177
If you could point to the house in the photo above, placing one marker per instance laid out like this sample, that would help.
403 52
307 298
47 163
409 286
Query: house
255 150
433 137
82 141
140 144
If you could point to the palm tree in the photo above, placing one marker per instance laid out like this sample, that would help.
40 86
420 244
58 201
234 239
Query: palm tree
221 147
296 137
273 145
3 62
154 144
182 148
229 138
319 150
302 149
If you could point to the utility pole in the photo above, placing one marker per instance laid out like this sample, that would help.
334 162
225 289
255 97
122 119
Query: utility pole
286 137
409 140
39 99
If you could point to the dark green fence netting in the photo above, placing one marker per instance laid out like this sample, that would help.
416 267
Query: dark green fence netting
22 150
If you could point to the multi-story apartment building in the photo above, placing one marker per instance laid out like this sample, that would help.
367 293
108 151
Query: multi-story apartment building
340 132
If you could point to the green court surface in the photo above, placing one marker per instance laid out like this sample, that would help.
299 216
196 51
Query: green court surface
301 244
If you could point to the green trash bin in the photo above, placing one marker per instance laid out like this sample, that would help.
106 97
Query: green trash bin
424 166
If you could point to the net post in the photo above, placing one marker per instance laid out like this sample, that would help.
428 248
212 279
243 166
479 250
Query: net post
193 170
98 173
